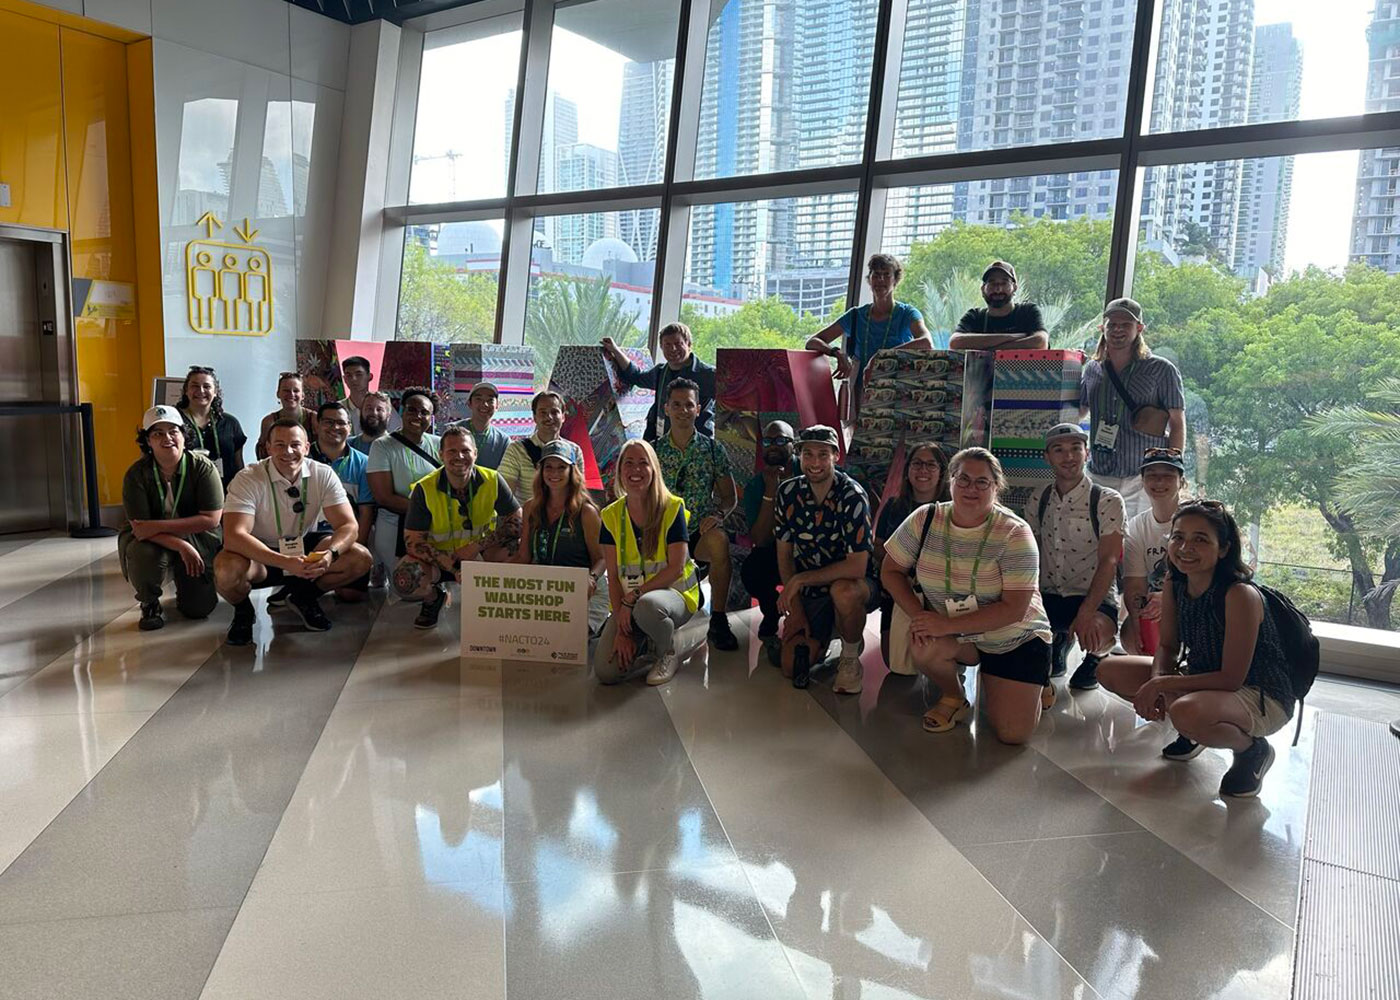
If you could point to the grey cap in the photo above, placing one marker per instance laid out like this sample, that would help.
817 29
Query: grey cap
1066 430
1124 305
487 386
1002 266
818 434
558 448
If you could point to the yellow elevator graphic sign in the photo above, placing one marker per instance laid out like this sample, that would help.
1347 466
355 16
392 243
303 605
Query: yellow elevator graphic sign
228 285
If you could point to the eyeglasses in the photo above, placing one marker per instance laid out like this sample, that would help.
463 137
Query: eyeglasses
774 442
1161 453
923 464
981 484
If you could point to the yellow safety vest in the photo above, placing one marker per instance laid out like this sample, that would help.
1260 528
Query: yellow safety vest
449 530
629 550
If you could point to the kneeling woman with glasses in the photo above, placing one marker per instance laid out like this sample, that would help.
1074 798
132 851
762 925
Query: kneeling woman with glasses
651 580
974 597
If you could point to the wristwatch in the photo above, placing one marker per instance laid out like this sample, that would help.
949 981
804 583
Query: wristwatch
333 553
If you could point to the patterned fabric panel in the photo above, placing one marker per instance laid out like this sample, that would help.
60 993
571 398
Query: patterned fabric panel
1032 391
597 400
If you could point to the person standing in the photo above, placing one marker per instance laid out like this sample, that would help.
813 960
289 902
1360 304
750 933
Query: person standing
977 601
925 480
1135 401
680 362
491 442
208 429
459 513
291 391
562 527
864 331
1079 528
357 376
696 469
1145 548
760 569
173 500
1236 688
375 413
396 462
652 585
822 526
350 467
1004 324
522 455
268 509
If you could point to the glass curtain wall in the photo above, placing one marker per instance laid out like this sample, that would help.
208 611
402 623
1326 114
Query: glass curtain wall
733 163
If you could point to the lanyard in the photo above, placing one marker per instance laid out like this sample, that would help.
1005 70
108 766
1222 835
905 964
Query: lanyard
626 534
213 428
1108 395
277 505
948 552
179 485
540 551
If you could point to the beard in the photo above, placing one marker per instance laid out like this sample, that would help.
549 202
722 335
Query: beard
997 301
372 424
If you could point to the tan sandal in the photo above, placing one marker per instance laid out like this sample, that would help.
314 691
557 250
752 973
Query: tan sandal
954 711
1047 697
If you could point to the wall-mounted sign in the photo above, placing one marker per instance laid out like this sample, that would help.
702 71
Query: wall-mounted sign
228 285
99 299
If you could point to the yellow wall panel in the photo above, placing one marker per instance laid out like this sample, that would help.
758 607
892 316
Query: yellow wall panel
31 123
97 135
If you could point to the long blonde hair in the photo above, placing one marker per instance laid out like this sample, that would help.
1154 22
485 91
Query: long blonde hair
1140 348
575 499
657 497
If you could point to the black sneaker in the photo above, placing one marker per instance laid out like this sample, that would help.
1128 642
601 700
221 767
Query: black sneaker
152 617
1059 656
428 613
280 597
801 666
1182 749
773 647
768 626
240 633
308 608
1246 774
1086 676
721 636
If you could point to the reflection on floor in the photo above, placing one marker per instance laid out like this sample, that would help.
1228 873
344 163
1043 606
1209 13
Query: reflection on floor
362 814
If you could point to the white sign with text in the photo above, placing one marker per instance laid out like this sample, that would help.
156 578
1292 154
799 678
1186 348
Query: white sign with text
514 612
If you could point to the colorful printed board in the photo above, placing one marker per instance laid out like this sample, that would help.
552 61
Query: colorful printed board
458 368
601 412
1032 391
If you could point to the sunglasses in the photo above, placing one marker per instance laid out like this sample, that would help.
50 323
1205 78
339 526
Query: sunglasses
773 442
201 370
465 514
1161 453
294 492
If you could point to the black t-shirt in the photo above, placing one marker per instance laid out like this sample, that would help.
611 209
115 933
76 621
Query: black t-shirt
1023 318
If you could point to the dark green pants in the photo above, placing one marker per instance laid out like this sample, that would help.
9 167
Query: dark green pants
147 565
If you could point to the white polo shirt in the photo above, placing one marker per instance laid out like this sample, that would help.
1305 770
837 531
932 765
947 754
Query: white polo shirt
260 490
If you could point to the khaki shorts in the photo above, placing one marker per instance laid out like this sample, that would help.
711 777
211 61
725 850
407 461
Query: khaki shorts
1263 721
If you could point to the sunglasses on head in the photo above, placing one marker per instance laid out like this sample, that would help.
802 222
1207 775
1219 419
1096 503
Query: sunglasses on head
201 370
283 375
1161 453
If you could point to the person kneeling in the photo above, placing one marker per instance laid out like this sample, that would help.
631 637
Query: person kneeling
266 514
172 499
1237 686
651 580
823 529
457 514
977 571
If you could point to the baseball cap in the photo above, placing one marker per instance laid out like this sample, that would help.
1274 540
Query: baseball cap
1124 305
162 415
1002 266
557 449
1163 456
818 434
1066 430
490 386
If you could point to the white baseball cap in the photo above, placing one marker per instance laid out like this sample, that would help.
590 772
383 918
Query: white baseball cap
162 415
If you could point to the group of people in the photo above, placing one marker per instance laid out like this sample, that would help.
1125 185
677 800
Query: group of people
1109 557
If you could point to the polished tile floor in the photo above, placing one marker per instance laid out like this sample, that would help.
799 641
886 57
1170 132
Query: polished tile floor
362 814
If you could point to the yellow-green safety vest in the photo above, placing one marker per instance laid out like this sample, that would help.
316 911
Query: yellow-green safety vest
629 550
448 532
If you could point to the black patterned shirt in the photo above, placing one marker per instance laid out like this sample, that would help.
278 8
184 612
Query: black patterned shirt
823 533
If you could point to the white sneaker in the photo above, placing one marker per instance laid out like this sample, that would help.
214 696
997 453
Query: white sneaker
664 670
849 675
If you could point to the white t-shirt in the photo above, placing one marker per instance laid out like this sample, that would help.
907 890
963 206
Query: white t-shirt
1145 549
388 455
260 490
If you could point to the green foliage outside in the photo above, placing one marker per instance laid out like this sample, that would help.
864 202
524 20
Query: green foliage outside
1286 393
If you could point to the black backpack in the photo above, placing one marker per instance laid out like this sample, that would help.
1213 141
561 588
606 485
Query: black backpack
1295 635
1095 492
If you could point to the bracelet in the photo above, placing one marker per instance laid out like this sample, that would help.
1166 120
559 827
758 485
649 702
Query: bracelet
769 499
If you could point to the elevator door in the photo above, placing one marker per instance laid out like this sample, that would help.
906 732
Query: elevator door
27 500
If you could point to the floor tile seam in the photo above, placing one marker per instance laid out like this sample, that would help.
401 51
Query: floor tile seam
1047 840
282 812
1348 868
114 915
724 828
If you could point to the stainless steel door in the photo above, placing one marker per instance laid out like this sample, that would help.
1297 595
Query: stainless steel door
27 500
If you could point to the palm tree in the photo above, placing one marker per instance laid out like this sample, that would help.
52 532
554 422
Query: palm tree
566 311
944 305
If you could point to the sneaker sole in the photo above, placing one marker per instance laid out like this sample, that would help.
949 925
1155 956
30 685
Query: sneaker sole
152 627
309 626
1083 687
1184 757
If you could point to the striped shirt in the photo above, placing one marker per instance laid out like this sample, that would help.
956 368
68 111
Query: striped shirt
1150 381
1010 561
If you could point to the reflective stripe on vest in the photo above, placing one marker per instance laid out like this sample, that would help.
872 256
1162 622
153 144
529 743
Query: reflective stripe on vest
619 525
448 533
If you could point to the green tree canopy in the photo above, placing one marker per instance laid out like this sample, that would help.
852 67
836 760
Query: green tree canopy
438 304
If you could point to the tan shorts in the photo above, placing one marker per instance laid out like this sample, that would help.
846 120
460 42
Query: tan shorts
1263 721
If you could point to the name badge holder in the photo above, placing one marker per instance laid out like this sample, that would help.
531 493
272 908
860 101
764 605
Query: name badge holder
1107 436
292 547
956 609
